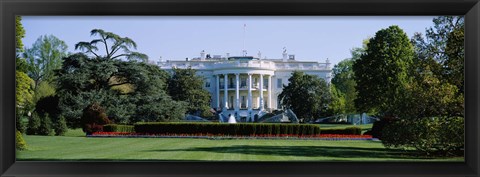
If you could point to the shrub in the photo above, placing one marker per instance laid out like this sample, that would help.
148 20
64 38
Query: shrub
20 142
93 118
440 135
61 126
45 127
239 129
344 131
33 124
378 127
118 128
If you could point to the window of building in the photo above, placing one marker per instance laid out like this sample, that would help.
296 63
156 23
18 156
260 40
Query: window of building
207 84
279 83
243 83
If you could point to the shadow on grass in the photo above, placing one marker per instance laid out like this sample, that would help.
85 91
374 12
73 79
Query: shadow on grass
306 151
105 160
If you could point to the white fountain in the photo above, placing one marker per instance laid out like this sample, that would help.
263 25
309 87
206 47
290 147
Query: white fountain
232 120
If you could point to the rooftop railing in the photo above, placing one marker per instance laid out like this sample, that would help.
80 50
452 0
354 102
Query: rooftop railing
246 64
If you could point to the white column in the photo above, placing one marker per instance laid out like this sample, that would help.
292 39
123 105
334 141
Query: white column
269 89
237 92
218 91
261 92
225 91
249 103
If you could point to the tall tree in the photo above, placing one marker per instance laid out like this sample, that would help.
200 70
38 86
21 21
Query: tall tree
85 80
185 85
111 45
307 95
344 82
343 79
443 49
455 51
44 57
382 73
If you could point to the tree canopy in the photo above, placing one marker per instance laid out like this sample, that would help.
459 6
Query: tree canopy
185 85
307 95
383 72
111 45
130 91
44 57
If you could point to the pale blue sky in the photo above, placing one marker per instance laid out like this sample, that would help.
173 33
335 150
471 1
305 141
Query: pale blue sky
313 38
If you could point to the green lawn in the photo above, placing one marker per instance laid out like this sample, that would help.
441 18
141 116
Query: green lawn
75 146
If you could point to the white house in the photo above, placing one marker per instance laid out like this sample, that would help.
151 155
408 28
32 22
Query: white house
245 85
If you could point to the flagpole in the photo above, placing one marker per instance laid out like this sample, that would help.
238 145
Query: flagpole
244 29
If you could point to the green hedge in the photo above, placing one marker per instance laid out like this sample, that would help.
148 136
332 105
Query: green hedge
434 134
241 129
343 131
118 128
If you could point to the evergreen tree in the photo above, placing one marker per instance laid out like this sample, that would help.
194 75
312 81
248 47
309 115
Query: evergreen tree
130 91
45 127
60 126
185 85
33 124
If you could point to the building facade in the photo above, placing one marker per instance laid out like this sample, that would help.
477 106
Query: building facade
245 85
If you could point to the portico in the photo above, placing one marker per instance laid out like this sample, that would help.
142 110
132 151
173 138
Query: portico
244 93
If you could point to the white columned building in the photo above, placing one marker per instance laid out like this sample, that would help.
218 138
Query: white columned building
244 85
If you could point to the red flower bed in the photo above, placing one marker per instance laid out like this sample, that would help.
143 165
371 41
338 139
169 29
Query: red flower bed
212 136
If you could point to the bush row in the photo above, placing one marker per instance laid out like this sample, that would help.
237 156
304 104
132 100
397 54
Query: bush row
431 135
118 128
343 131
239 129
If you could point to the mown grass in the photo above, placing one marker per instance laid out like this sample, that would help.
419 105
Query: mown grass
76 147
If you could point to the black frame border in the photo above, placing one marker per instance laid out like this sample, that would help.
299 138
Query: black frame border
10 8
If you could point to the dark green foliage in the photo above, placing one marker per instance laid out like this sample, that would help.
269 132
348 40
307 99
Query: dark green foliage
21 64
33 124
343 131
83 80
20 123
306 95
442 50
60 126
94 118
48 105
112 43
437 135
240 129
185 85
378 127
455 51
45 127
20 143
118 128
383 72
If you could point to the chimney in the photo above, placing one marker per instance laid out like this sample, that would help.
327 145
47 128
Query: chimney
227 56
202 55
285 54
259 55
